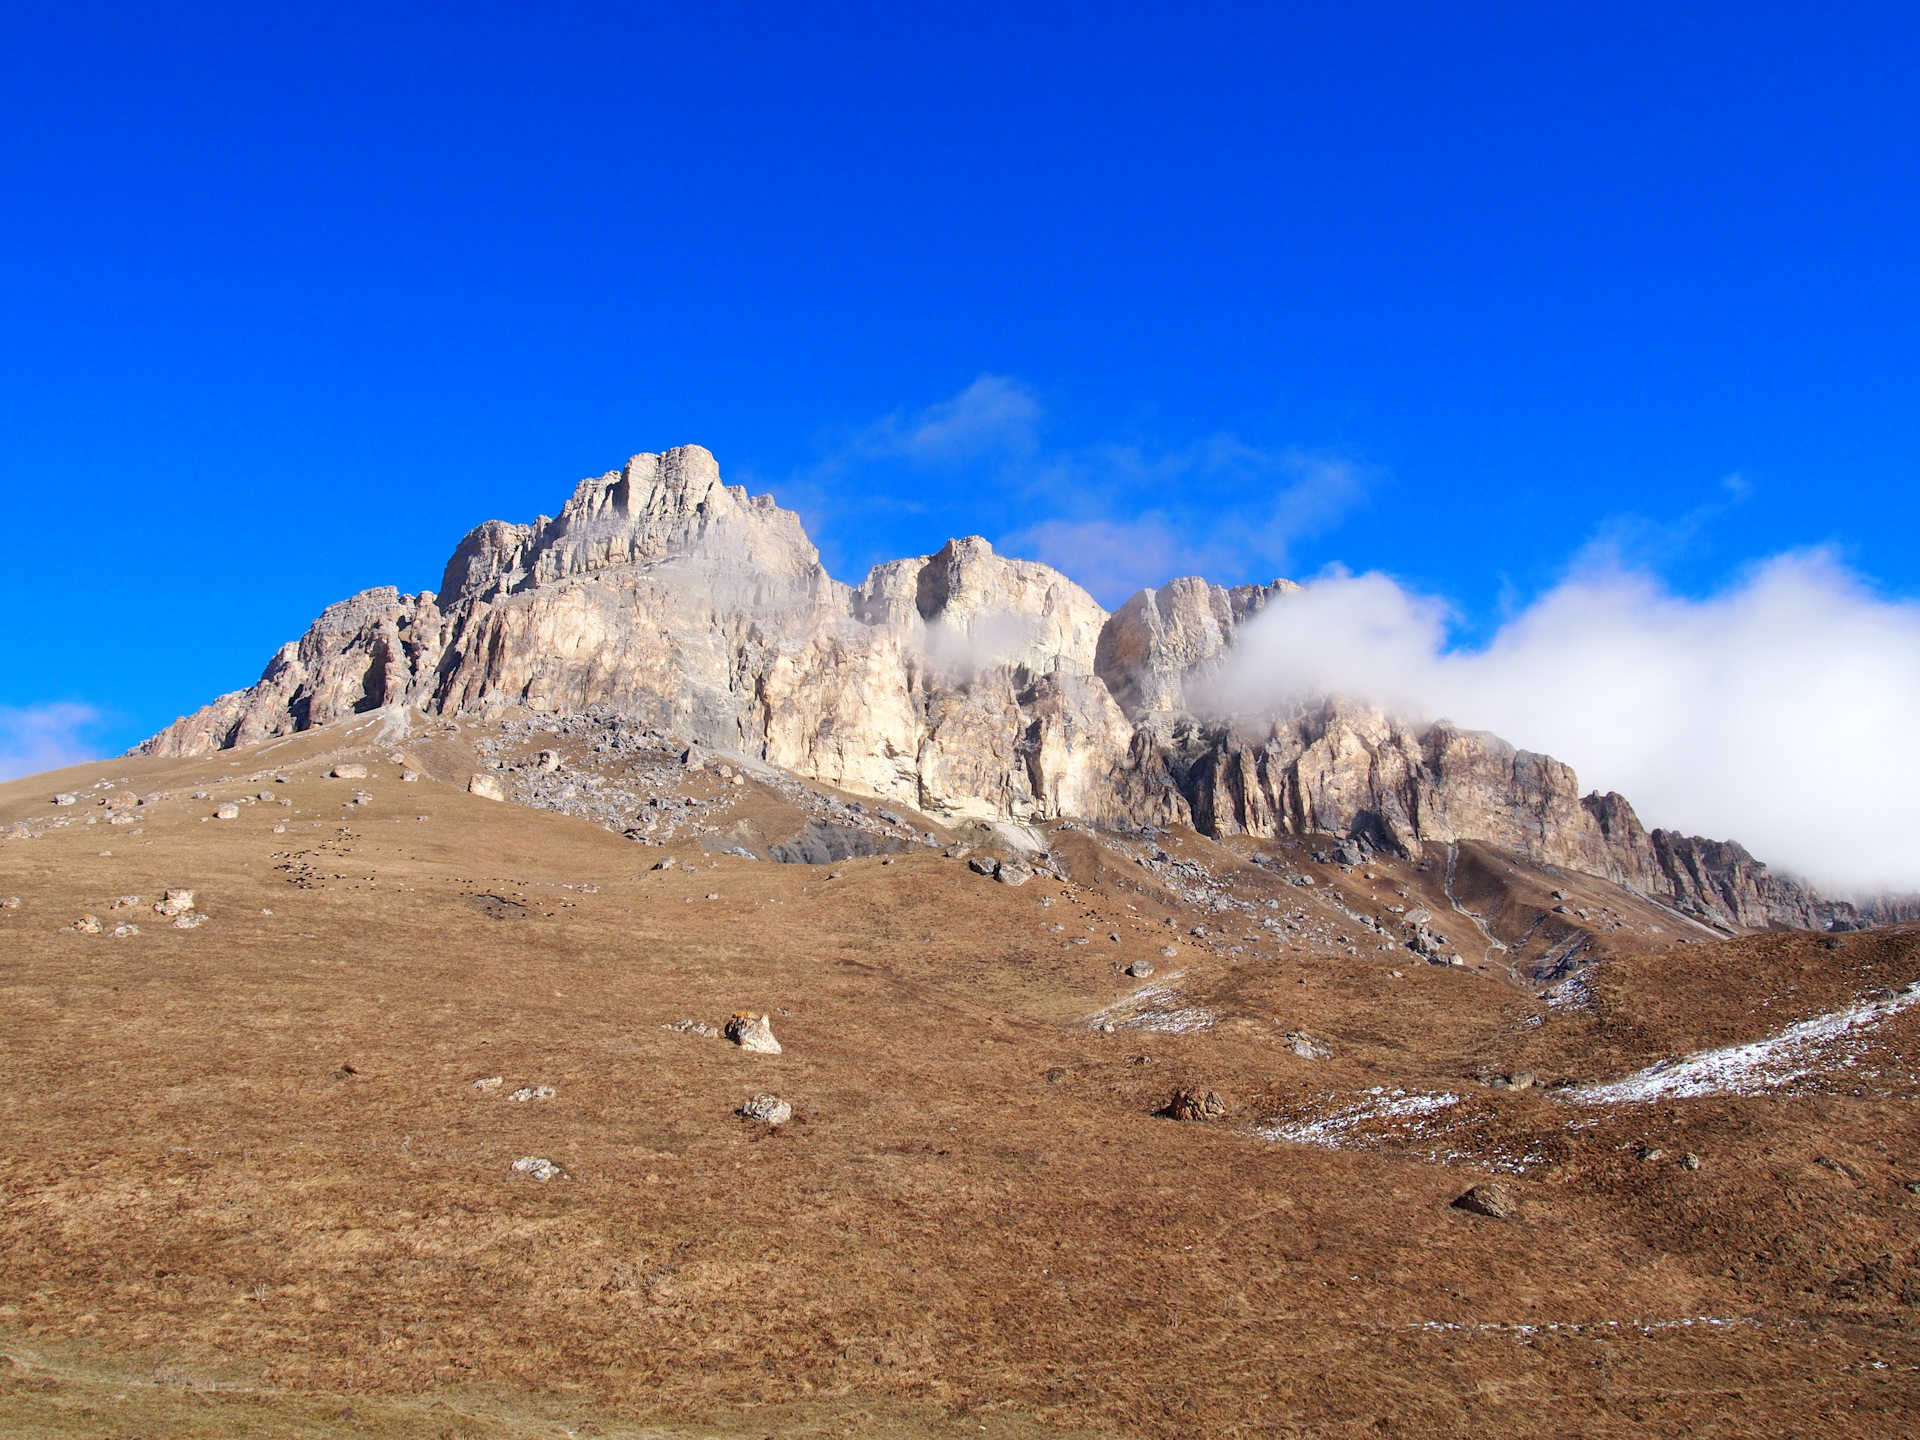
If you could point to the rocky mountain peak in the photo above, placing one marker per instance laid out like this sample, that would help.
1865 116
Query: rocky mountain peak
964 683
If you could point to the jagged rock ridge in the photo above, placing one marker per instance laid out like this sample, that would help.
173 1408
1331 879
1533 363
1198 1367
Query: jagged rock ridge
963 683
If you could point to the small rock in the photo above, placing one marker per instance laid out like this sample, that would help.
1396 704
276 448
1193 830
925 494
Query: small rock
752 1033
958 852
125 902
1649 1154
64 799
1691 1161
122 931
1012 873
983 864
1490 1198
770 1108
1307 1047
548 759
1140 969
349 772
266 795
174 902
670 863
202 794
125 800
1518 1080
1167 952
227 812
695 758
533 1092
713 895
486 787
1108 1027
536 1167
693 1027
190 922
490 1084
279 829
409 776
20 830
1200 1104
11 902
88 924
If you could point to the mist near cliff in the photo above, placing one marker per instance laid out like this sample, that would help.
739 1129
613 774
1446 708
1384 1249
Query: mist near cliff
1783 712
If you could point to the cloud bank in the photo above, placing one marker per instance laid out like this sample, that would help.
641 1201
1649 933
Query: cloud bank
46 737
1783 712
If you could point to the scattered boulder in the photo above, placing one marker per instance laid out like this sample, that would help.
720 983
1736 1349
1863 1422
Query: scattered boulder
174 902
192 920
125 800
1198 1104
1518 1080
536 1167
409 776
695 758
20 830
122 931
349 772
1140 969
770 1108
1011 872
10 902
229 811
1308 1047
64 799
533 1092
88 924
958 852
490 1084
1491 1199
983 864
752 1033
547 760
670 863
486 787
1167 952
693 1027
125 902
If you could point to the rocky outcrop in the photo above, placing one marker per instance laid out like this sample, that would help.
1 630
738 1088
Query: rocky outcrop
964 684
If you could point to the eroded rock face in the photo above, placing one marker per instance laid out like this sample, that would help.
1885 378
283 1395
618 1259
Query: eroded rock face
964 684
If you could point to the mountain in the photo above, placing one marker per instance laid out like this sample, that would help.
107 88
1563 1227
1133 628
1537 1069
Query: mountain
963 684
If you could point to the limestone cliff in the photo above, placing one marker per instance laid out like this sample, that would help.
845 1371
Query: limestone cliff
963 683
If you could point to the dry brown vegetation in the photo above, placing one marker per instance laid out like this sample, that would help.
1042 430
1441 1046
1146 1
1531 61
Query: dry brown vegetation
249 1187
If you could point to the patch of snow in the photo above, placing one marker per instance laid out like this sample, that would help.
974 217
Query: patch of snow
1154 1008
1824 1043
1380 1107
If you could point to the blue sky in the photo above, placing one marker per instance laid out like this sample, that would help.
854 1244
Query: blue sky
289 301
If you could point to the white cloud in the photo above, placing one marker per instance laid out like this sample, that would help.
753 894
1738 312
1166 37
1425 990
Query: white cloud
46 737
1274 499
994 419
1113 516
1781 713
